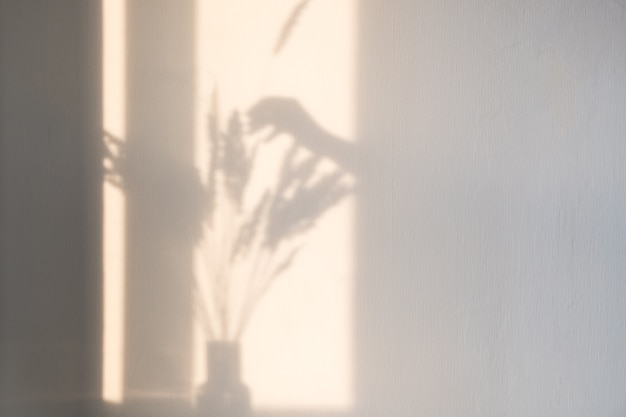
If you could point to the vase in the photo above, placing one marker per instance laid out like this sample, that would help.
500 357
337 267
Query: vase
224 394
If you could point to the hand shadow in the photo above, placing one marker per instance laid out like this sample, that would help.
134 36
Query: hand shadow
285 115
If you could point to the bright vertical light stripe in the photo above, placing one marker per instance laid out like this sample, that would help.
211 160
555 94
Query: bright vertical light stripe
202 88
201 107
114 123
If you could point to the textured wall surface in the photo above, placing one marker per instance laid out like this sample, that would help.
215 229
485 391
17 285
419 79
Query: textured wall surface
491 222
493 228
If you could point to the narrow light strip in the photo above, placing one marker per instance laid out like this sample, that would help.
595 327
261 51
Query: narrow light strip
201 108
114 204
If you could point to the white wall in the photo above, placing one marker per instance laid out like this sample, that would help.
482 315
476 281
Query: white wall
490 216
493 229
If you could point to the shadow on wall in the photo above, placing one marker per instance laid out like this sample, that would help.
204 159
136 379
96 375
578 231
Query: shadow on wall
49 205
490 218
271 174
264 236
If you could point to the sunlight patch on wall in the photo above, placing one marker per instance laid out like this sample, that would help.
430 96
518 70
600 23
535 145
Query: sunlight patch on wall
114 125
297 349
